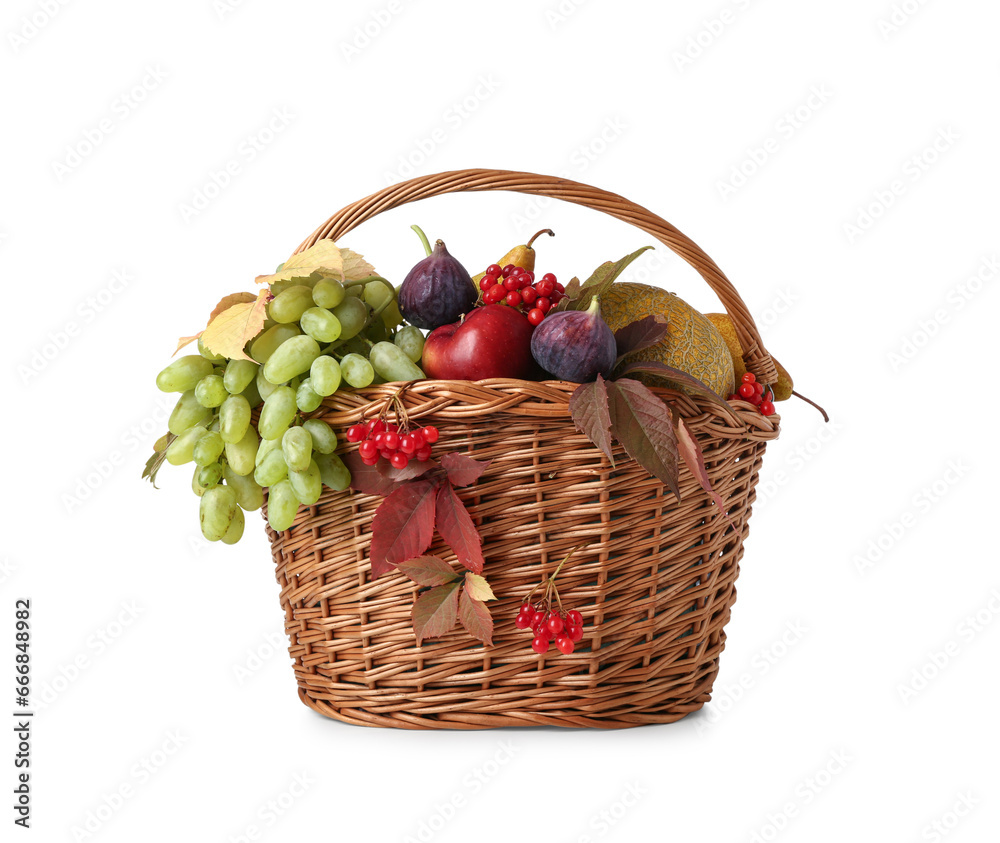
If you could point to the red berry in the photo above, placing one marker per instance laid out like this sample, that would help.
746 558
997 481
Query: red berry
556 297
507 270
545 287
379 440
756 399
749 377
758 388
370 460
529 294
543 303
368 449
418 440
527 609
540 645
746 390
733 397
560 288
391 440
767 408
399 460
377 426
487 282
565 644
430 434
575 633
356 432
513 298
522 621
406 444
495 294
574 618
535 316
548 276
530 276
423 454
493 269
555 623
510 283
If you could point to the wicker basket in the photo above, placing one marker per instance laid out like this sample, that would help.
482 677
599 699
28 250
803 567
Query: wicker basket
655 580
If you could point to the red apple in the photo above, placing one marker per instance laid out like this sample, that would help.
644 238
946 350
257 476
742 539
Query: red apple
493 341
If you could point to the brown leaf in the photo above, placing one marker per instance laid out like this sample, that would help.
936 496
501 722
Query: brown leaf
457 528
641 423
428 570
476 618
571 292
403 526
640 334
478 588
463 470
435 611
601 279
588 406
231 329
690 450
156 460
381 478
662 370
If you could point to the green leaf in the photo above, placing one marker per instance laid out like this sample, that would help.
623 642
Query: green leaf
641 423
601 280
588 406
477 588
662 370
690 450
435 611
476 618
428 570
156 460
640 334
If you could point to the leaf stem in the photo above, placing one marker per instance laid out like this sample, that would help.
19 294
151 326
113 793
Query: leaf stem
423 239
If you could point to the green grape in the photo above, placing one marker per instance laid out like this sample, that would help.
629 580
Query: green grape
234 416
282 505
377 331
211 356
271 469
357 345
208 448
296 447
267 343
249 495
183 374
352 314
278 412
211 391
187 413
218 508
320 324
289 305
411 341
357 371
235 531
328 292
196 486
391 363
210 475
325 375
333 472
264 386
391 316
307 485
324 440
219 370
239 375
266 446
375 294
252 394
181 450
306 398
292 358
240 455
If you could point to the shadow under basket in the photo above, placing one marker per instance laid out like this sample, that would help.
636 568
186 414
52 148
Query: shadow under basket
654 578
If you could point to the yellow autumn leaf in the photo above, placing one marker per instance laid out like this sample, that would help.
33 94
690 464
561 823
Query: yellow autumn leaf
477 587
225 303
231 329
183 341
323 260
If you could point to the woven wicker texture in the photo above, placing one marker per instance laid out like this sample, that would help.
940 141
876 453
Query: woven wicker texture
654 580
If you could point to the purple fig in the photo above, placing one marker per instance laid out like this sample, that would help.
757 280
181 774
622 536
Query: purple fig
438 290
575 345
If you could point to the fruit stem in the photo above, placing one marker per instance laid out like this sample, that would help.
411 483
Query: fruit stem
537 234
423 239
595 307
826 418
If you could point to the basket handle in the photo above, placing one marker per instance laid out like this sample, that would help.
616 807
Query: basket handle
755 355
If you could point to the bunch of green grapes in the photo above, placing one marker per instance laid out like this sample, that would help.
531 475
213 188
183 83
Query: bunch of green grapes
319 337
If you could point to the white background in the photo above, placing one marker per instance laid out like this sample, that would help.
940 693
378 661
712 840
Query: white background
857 693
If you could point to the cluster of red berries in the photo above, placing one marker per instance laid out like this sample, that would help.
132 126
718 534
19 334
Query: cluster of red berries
565 628
385 440
516 287
750 390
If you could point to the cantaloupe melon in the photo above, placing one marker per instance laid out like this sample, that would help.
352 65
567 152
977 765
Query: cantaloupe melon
692 344
782 389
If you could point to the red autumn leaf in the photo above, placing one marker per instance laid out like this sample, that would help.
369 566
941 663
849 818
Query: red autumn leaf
428 570
641 422
640 334
435 611
588 406
403 526
463 470
381 478
690 450
662 370
476 618
457 528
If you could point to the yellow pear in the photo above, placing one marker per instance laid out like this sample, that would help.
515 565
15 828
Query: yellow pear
522 256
